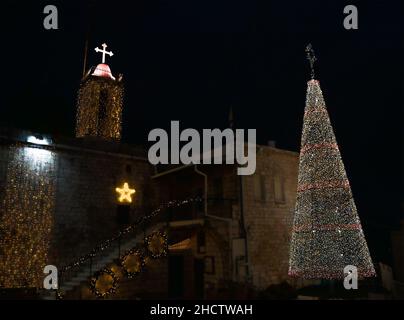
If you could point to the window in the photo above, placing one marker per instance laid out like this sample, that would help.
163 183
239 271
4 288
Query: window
260 192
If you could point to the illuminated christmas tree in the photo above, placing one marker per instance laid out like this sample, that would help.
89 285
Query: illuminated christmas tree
327 234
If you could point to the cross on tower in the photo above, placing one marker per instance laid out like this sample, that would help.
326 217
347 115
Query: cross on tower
104 52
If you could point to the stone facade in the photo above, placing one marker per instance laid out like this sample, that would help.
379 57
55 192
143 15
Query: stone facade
269 200
243 237
257 210
84 202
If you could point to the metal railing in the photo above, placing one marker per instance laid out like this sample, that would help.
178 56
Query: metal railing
109 246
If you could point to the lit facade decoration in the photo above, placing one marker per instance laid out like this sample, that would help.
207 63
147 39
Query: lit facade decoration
104 283
327 233
157 244
125 193
100 103
133 262
26 220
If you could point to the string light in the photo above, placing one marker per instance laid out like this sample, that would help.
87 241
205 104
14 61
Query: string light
125 193
324 204
157 244
104 283
142 220
132 263
26 221
99 108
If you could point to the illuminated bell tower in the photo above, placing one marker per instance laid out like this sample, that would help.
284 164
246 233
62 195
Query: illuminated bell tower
100 102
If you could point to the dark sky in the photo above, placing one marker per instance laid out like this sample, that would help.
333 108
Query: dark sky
191 60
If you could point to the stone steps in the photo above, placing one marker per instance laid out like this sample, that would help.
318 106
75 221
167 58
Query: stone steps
101 262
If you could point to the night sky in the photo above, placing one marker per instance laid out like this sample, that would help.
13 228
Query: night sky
191 60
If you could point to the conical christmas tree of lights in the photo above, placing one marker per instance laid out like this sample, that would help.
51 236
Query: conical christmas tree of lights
327 234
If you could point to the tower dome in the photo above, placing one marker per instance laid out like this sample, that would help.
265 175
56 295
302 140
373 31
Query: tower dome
103 70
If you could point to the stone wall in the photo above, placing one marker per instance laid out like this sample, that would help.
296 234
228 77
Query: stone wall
85 206
84 202
269 200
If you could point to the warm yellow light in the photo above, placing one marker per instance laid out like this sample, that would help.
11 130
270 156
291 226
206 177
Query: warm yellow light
125 193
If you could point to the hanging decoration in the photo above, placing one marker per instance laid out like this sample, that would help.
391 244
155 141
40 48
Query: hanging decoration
132 262
26 218
104 283
125 193
132 228
157 244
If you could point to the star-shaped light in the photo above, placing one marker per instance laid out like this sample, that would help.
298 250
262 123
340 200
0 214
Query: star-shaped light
125 193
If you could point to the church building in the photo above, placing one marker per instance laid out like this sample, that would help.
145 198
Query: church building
117 227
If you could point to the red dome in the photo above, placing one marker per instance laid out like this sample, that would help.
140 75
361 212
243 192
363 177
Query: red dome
103 70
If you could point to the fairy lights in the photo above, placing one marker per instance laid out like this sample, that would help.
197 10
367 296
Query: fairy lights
327 233
99 107
104 283
26 219
125 193
130 229
157 244
133 262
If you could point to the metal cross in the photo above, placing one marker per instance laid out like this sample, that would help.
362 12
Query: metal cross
104 52
311 57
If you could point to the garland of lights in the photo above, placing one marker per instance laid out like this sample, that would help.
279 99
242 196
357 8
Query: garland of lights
150 244
107 243
157 244
132 262
327 234
99 108
104 283
26 220
59 295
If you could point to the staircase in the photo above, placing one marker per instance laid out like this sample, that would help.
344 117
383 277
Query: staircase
106 257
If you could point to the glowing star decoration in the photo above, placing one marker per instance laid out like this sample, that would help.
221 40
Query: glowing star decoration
125 193
104 52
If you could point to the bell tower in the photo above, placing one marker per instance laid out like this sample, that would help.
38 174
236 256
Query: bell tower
100 102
